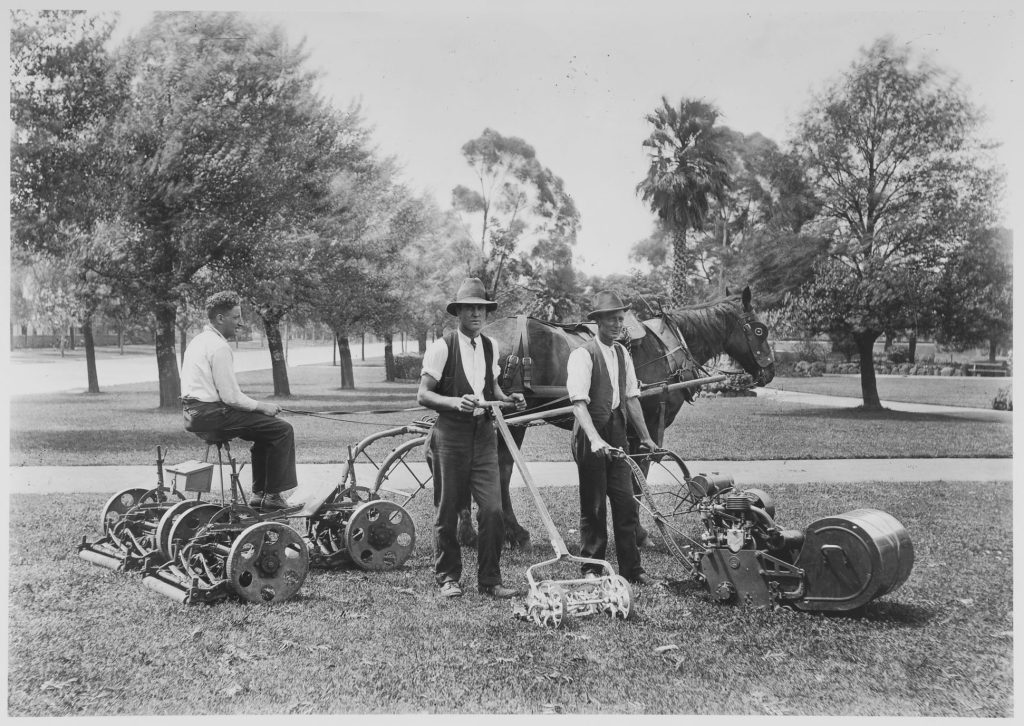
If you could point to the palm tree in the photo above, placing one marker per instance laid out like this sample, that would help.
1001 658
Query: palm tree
689 168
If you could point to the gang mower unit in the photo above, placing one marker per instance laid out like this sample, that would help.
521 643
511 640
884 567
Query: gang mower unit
197 551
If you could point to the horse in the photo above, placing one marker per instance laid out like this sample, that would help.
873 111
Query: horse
669 347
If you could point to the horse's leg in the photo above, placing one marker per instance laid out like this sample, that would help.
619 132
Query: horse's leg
515 534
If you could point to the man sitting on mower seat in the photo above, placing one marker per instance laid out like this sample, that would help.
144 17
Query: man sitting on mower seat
213 402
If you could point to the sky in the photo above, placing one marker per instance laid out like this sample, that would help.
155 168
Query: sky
575 80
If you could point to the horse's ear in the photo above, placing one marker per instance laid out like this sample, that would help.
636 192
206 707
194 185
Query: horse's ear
746 298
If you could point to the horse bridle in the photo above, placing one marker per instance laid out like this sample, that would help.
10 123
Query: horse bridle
755 333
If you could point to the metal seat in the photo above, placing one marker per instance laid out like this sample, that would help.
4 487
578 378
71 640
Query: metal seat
223 443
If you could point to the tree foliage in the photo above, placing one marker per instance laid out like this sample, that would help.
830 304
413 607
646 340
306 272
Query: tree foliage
891 152
688 169
975 300
517 199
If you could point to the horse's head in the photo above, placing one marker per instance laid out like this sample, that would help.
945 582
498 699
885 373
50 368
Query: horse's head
747 343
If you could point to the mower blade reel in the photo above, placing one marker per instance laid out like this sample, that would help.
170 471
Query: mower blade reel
172 590
107 559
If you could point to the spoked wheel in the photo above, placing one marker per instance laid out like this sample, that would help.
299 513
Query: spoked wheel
618 597
267 563
546 605
666 492
397 480
379 535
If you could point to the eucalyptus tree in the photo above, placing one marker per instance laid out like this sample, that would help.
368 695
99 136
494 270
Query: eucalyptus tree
517 200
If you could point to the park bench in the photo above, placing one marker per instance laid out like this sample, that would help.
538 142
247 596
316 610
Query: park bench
988 369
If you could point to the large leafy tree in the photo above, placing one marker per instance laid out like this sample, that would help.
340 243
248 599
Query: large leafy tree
516 199
689 168
64 97
976 293
215 160
892 153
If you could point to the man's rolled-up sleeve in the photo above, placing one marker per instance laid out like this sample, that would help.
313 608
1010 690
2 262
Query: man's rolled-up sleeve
632 384
578 371
434 359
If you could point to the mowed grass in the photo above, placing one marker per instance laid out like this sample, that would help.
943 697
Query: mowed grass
88 641
970 392
122 425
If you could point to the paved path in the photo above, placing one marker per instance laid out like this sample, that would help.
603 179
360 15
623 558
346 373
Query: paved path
109 479
30 373
817 399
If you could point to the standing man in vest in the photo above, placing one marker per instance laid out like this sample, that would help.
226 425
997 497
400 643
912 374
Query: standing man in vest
212 402
603 389
459 370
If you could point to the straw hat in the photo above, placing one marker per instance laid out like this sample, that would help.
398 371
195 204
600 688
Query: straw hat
471 292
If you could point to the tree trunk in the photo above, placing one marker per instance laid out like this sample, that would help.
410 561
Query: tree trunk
868 383
166 361
182 341
348 381
993 346
334 350
120 341
90 355
912 347
71 338
389 358
421 340
278 364
888 342
362 349
680 265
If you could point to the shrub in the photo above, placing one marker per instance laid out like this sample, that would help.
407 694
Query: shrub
1004 399
407 366
810 350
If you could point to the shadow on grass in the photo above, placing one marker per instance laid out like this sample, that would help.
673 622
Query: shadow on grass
886 414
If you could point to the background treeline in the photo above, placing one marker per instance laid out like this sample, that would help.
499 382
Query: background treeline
198 154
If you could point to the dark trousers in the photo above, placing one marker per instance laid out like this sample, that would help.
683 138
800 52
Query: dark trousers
600 479
463 454
273 441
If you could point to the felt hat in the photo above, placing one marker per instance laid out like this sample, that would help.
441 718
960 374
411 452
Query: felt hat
471 292
606 301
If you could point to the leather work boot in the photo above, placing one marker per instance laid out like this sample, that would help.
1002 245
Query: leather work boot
272 502
643 579
497 591
451 589
256 500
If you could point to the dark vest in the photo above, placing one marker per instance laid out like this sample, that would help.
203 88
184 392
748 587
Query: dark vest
453 378
600 405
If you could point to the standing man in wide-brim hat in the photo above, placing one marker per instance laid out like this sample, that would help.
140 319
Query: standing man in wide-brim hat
460 370
604 391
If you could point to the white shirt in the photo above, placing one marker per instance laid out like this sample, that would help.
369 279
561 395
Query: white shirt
208 371
473 362
581 366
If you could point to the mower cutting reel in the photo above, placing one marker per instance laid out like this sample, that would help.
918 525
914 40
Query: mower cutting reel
550 602
231 551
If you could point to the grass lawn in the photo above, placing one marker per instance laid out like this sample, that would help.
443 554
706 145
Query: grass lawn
123 424
88 641
971 392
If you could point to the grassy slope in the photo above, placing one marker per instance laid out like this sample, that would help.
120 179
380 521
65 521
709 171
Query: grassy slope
123 425
84 640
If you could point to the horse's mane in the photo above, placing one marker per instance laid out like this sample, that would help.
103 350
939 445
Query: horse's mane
705 326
